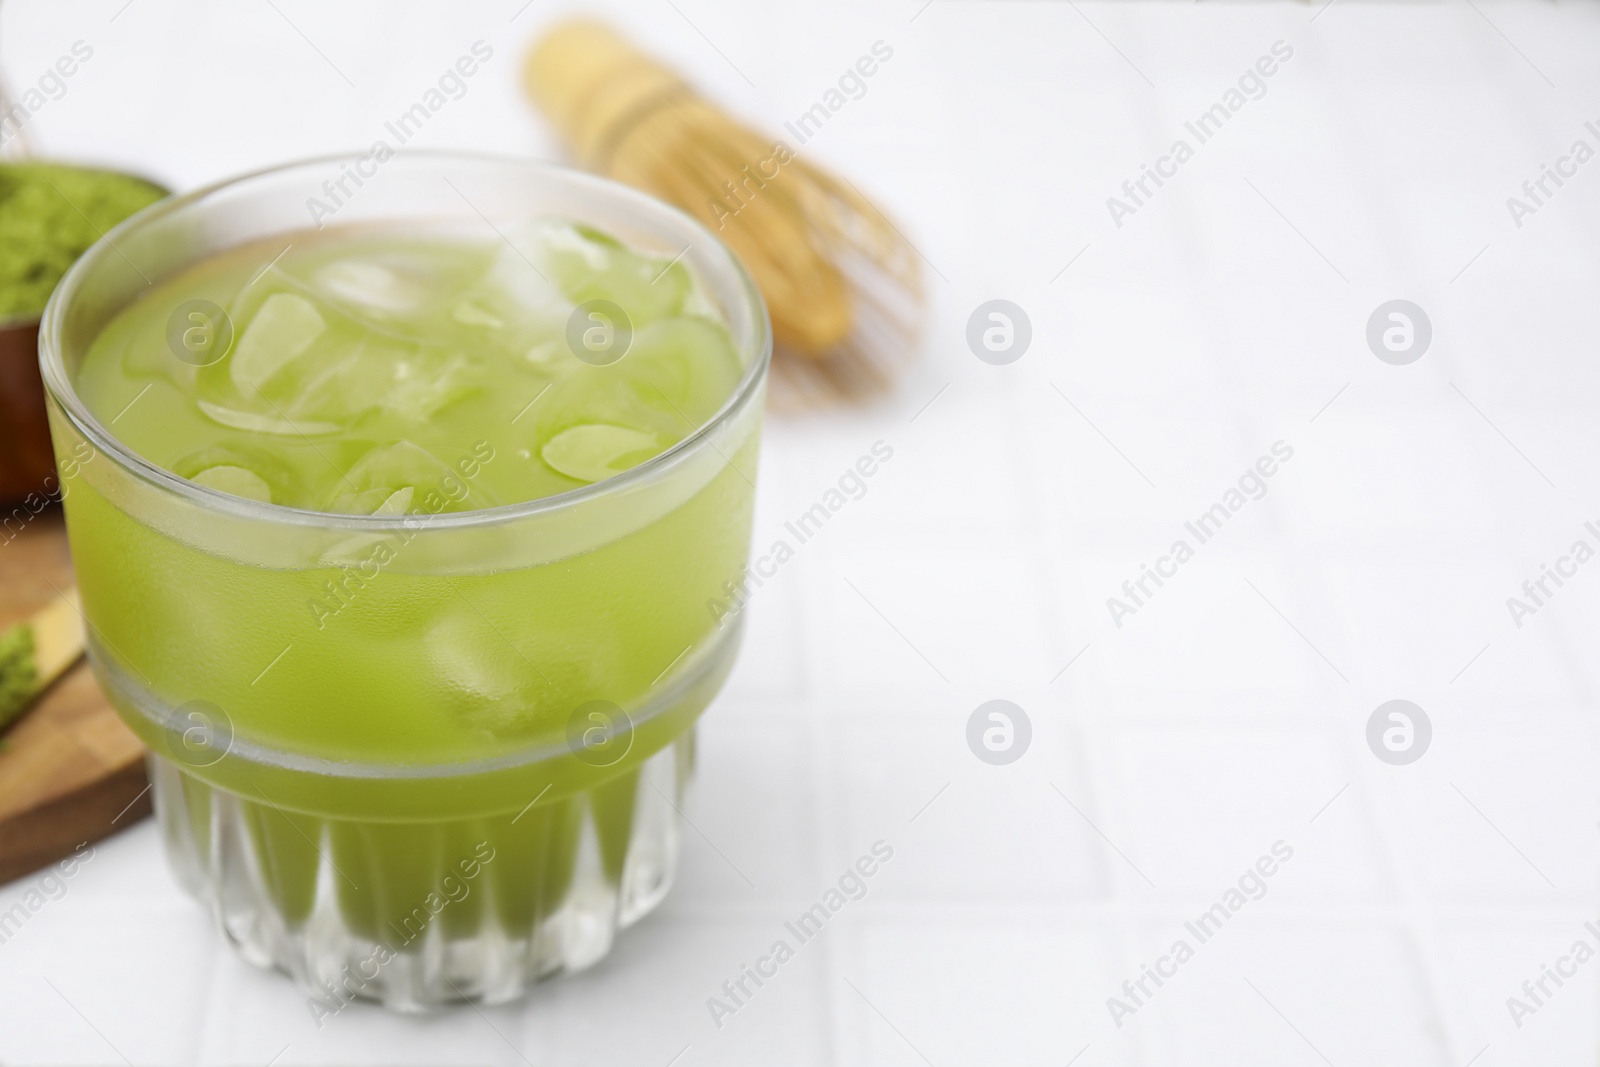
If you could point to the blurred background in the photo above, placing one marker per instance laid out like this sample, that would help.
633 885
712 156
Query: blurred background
1162 344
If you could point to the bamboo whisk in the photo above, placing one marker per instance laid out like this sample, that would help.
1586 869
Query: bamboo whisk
842 285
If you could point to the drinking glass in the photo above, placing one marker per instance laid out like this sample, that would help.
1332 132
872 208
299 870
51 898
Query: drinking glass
322 781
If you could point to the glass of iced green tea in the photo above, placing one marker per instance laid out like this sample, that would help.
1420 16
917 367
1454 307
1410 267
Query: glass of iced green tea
403 494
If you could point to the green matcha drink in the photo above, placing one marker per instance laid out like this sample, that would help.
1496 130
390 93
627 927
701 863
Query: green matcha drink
396 540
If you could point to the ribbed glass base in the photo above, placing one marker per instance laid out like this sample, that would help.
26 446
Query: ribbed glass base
417 914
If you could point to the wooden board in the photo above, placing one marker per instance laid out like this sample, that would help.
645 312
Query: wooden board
70 771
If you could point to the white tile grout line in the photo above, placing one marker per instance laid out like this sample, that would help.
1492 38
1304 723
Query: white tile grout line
1420 920
823 734
801 607
1100 911
209 1022
1117 879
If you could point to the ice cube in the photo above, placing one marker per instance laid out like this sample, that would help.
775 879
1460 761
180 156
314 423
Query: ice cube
594 451
590 265
336 387
483 678
396 502
370 286
421 386
515 284
544 353
590 245
385 283
378 501
285 326
386 477
686 365
260 423
677 373
378 372
238 481
471 313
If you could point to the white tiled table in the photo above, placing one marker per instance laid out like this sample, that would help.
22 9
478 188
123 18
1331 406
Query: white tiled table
1228 714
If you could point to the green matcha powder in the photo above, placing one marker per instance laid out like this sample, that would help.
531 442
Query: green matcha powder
49 216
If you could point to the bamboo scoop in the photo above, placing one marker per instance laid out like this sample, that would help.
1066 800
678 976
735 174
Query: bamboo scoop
70 771
842 285
37 651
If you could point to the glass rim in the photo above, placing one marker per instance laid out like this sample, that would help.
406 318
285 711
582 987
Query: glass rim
62 391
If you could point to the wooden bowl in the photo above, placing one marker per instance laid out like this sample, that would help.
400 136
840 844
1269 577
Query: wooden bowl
27 462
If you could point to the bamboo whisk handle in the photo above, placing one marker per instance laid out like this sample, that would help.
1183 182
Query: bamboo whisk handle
626 115
595 86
